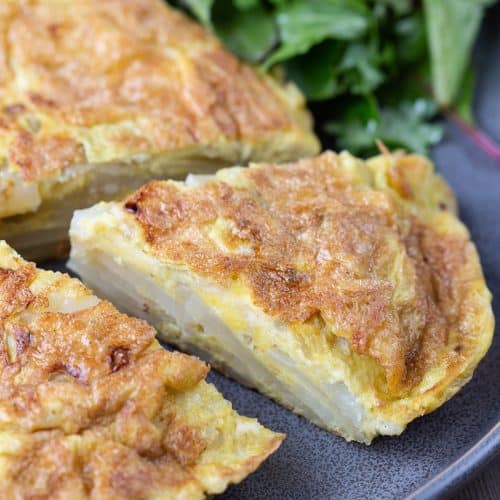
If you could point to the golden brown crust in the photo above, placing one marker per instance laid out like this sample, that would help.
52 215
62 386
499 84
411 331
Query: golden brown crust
14 293
153 78
318 240
38 156
87 398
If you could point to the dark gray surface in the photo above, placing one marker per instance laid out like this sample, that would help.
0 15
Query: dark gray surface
313 464
485 486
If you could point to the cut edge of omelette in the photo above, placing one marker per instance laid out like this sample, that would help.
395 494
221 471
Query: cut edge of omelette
344 381
91 404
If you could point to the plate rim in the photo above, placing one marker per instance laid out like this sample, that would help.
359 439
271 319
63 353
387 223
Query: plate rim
463 469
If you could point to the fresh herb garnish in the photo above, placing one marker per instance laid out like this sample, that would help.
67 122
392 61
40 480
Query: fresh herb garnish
387 67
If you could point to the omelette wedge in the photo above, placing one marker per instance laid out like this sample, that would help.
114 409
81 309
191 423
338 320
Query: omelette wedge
91 406
346 290
99 96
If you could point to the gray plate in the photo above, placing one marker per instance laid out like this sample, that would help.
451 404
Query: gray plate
439 451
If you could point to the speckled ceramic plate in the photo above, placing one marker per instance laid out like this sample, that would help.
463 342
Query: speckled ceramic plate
438 452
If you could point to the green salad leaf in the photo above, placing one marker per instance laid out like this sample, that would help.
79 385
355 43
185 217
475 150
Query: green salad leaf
247 30
202 9
246 4
399 6
452 26
403 126
315 74
304 24
465 98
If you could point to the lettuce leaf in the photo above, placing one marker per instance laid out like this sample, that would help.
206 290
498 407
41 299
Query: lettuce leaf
452 26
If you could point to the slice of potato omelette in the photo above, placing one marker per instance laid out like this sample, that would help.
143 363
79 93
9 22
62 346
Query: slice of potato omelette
92 406
349 291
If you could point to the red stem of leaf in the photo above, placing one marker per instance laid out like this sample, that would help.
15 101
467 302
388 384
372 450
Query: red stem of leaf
481 139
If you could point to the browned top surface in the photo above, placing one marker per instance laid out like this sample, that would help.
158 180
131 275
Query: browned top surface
85 398
316 243
149 77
